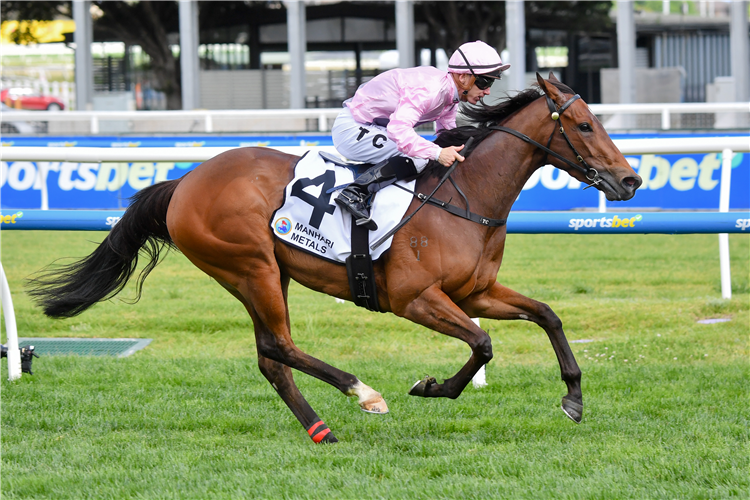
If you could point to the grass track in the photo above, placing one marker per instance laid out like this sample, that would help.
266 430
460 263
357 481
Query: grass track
191 416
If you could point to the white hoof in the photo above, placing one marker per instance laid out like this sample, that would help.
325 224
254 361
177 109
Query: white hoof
375 405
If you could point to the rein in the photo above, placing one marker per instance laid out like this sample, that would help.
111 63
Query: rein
464 213
588 171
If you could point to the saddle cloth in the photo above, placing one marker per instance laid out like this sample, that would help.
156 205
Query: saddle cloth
310 220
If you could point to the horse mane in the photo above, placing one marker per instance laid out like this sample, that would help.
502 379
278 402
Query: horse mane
484 116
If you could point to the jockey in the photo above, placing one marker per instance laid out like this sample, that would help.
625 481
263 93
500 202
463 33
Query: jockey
377 124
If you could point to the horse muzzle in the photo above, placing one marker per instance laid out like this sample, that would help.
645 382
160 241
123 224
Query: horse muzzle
619 189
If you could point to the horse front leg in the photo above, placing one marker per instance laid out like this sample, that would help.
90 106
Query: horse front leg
435 310
499 302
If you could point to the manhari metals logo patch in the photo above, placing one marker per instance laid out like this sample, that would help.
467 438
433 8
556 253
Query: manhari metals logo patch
606 222
283 226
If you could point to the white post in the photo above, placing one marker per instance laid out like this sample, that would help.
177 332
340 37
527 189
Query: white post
189 62
666 122
42 168
726 177
739 50
405 33
703 8
65 95
14 355
480 379
626 57
515 27
322 123
297 46
602 202
209 123
83 37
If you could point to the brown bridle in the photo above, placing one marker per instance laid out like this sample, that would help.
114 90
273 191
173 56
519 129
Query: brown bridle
587 170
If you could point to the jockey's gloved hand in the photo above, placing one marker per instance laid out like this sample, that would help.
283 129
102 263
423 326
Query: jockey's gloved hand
449 155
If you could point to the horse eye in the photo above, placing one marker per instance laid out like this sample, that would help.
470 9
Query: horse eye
585 127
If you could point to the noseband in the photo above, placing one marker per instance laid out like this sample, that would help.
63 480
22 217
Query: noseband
589 172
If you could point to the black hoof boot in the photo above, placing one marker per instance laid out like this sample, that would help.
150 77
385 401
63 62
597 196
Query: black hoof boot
573 410
329 439
419 388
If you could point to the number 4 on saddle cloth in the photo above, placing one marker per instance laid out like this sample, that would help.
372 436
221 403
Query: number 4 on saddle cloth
311 221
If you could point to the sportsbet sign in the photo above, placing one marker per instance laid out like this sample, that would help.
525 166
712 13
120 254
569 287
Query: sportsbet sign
669 181
604 222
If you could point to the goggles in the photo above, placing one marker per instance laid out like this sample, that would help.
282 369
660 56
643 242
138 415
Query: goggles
484 82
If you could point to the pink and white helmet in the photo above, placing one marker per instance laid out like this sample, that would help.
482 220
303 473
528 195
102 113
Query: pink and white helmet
476 58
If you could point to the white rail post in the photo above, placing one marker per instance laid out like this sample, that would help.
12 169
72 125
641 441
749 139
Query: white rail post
94 124
209 123
42 169
480 379
724 263
14 355
322 123
666 122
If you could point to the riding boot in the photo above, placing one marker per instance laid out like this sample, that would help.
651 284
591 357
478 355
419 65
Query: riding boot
357 196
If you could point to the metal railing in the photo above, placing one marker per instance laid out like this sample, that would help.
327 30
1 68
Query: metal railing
325 116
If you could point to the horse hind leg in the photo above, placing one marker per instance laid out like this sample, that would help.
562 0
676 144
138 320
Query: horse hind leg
280 377
266 302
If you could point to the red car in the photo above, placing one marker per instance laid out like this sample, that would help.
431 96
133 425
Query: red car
22 98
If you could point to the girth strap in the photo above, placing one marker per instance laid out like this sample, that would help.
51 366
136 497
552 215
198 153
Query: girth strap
360 270
463 213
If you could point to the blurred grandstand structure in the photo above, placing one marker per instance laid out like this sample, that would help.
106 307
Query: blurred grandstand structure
314 54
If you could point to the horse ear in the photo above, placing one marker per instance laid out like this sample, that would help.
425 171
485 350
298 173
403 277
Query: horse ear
552 77
550 90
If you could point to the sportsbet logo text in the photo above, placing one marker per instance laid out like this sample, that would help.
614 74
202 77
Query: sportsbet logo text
743 224
10 219
612 222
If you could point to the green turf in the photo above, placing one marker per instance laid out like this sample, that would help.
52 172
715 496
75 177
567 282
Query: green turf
190 416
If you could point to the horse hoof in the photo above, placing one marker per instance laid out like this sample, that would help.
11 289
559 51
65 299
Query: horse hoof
329 438
375 405
573 410
420 386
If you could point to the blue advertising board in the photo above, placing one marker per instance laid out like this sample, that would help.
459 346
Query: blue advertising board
675 181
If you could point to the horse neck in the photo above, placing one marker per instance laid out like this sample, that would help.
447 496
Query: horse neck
500 166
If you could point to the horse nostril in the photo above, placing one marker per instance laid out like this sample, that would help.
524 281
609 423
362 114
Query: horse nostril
631 183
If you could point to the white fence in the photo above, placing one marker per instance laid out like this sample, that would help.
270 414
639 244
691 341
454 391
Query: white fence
198 154
209 121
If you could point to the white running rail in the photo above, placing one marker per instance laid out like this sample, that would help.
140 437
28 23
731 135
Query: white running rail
325 116
14 355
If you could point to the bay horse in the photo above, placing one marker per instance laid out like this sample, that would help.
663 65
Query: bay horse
218 217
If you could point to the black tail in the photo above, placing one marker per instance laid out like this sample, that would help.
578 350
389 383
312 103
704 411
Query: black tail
66 291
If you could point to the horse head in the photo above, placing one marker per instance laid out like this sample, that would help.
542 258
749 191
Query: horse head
599 162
